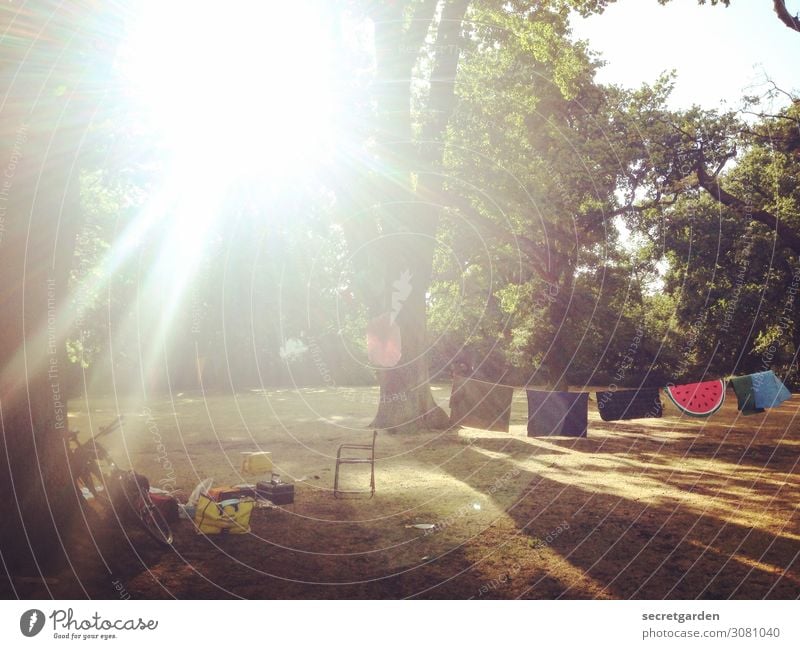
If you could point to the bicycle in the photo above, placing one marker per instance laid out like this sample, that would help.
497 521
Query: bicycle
101 482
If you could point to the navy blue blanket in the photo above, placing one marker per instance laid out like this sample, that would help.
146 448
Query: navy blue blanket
557 413
629 404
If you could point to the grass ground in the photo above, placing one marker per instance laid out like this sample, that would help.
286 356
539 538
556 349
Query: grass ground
658 508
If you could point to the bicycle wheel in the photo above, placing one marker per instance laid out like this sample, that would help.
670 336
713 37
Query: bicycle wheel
94 489
153 521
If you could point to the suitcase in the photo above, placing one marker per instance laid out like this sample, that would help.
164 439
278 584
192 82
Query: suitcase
278 493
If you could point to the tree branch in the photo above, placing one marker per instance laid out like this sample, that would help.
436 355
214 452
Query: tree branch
657 201
792 22
786 235
417 31
536 256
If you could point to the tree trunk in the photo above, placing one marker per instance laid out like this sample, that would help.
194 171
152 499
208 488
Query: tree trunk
406 402
34 478
557 357
44 120
411 214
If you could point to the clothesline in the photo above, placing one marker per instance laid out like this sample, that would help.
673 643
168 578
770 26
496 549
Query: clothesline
727 379
504 385
486 404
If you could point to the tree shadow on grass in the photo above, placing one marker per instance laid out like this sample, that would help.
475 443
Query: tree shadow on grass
627 517
288 557
652 532
100 556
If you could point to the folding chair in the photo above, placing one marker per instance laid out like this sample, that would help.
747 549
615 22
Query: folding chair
356 459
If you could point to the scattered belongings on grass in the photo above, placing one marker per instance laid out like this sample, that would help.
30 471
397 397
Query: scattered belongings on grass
226 509
273 488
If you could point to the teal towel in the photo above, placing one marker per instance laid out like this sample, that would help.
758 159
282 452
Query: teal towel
768 389
743 387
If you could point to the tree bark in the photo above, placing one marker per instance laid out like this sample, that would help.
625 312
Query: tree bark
411 214
792 22
558 354
43 124
35 479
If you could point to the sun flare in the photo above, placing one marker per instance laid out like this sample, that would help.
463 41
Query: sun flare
246 87
238 97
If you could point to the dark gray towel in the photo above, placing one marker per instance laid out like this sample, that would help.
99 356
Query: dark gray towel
745 395
562 414
480 405
643 403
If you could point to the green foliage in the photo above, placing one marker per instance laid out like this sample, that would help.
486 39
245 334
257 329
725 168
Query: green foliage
575 240
530 272
735 270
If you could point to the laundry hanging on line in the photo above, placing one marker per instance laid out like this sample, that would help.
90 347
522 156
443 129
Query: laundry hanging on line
768 389
643 403
560 414
479 404
743 387
697 399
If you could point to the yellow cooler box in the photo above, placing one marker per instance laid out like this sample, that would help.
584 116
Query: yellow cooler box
257 463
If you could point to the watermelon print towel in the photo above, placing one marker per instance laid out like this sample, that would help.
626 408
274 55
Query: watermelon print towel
563 414
697 399
743 387
768 390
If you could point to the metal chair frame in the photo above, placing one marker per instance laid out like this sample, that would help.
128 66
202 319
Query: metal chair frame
356 460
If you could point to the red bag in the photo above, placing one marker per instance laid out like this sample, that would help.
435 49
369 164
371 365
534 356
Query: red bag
167 505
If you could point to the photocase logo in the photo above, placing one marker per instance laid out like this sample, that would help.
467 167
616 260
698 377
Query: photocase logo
402 289
31 622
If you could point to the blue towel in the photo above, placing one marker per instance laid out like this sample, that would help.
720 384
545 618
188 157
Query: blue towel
768 389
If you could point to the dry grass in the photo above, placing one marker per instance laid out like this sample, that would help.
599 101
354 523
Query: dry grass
660 508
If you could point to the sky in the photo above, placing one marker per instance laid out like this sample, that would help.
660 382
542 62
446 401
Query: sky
719 53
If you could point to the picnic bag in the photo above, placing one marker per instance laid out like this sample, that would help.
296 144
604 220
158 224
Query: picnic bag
227 517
